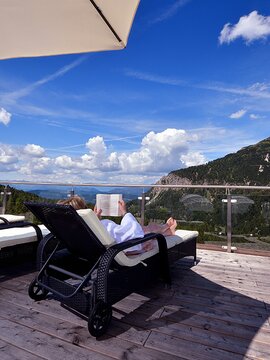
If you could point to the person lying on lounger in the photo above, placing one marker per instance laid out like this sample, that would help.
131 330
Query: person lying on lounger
129 228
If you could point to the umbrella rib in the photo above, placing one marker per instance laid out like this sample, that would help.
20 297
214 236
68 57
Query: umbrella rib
105 20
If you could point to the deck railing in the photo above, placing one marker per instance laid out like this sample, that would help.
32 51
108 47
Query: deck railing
223 211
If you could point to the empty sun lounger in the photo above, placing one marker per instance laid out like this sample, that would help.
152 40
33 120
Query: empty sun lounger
7 220
21 235
16 235
82 267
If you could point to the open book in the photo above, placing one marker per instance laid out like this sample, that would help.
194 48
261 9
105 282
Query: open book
108 203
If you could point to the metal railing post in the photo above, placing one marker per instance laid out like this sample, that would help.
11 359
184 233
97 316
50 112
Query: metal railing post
71 193
142 208
143 199
5 194
229 221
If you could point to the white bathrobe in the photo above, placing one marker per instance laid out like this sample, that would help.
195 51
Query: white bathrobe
127 230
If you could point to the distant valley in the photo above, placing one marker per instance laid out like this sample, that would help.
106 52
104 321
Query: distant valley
88 193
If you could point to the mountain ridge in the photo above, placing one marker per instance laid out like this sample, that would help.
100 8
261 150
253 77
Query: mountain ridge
249 166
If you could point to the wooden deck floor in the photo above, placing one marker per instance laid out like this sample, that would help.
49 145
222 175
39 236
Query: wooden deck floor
216 310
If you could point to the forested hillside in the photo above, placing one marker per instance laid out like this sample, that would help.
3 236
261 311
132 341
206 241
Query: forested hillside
17 198
248 166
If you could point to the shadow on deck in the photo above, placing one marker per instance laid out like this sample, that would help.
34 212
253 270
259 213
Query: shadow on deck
218 309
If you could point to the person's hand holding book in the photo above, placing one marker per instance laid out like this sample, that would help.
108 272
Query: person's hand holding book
122 207
110 204
97 212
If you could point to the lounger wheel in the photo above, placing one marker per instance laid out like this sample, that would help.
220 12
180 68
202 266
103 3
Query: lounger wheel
36 292
99 319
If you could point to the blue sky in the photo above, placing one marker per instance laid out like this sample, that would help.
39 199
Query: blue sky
191 86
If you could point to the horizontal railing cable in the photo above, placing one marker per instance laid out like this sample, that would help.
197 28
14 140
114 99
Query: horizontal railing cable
115 185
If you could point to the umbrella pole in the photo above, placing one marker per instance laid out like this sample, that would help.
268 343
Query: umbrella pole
105 20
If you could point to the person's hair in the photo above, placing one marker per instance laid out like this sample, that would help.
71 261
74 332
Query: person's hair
75 201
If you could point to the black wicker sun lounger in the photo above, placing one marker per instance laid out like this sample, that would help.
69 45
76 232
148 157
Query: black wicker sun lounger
82 267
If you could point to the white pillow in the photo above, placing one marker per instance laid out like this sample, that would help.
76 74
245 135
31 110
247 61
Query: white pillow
96 226
104 237
12 218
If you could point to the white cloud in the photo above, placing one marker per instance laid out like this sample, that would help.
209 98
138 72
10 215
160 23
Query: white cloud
250 27
96 146
8 168
112 163
166 80
13 96
43 165
260 87
170 11
257 90
157 154
34 150
193 159
98 157
254 116
238 114
8 159
7 155
5 116
64 162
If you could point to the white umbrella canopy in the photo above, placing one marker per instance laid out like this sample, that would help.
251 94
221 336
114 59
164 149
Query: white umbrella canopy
51 27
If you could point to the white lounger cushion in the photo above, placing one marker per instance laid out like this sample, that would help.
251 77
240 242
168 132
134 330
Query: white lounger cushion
96 226
101 233
183 235
12 218
20 235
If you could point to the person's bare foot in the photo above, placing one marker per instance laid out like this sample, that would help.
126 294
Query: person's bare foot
173 227
170 226
170 221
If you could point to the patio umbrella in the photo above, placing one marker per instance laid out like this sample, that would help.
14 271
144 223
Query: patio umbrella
50 27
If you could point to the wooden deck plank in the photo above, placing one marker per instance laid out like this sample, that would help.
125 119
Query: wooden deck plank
179 298
72 329
218 309
224 287
42 344
187 349
176 315
247 276
228 283
201 332
243 274
191 309
67 332
10 352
